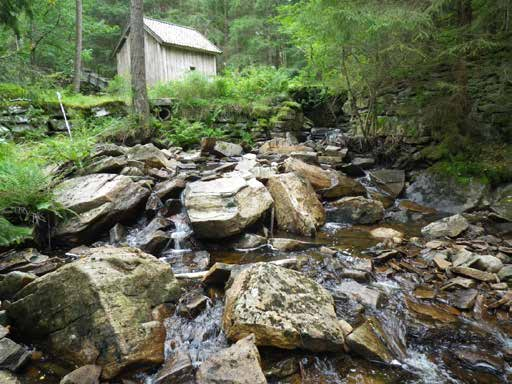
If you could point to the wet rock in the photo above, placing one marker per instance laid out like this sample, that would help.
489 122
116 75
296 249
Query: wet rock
318 177
344 186
440 259
88 374
373 342
480 361
99 200
170 189
287 245
191 304
451 226
226 149
358 210
226 206
474 274
12 282
463 298
148 154
505 273
248 241
281 146
177 370
238 364
12 355
283 368
391 181
309 157
297 208
361 293
431 312
411 206
502 204
219 273
27 259
117 233
283 308
459 281
355 274
445 193
98 310
154 237
7 377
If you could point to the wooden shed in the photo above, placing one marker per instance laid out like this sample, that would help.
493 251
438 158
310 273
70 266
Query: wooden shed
171 51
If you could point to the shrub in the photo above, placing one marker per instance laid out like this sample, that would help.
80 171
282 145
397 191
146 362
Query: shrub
25 195
183 133
10 91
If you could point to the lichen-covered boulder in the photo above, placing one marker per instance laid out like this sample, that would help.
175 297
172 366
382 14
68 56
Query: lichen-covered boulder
99 201
99 310
297 208
238 364
282 308
226 206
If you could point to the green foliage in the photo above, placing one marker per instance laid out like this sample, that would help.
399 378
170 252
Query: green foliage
119 86
12 234
10 91
25 195
181 132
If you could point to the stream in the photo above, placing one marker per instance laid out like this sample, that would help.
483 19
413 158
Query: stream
431 348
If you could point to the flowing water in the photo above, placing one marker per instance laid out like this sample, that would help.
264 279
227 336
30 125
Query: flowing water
429 348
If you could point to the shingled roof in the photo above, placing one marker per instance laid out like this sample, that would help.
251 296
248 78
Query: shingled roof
174 35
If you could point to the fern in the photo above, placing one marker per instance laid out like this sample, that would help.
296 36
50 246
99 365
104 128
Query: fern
12 234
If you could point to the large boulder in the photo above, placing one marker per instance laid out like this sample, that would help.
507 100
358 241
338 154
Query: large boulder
391 181
446 193
358 210
99 309
318 177
297 208
451 226
7 377
502 202
282 308
226 206
238 364
99 201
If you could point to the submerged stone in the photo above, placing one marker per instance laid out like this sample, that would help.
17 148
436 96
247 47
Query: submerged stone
88 374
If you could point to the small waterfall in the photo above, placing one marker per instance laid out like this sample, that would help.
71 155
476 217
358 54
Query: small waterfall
181 233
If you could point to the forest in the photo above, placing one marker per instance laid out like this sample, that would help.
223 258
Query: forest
350 161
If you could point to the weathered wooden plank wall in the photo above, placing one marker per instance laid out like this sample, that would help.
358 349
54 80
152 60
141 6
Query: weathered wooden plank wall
165 63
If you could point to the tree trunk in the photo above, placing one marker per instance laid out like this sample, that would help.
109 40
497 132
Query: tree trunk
140 102
78 47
